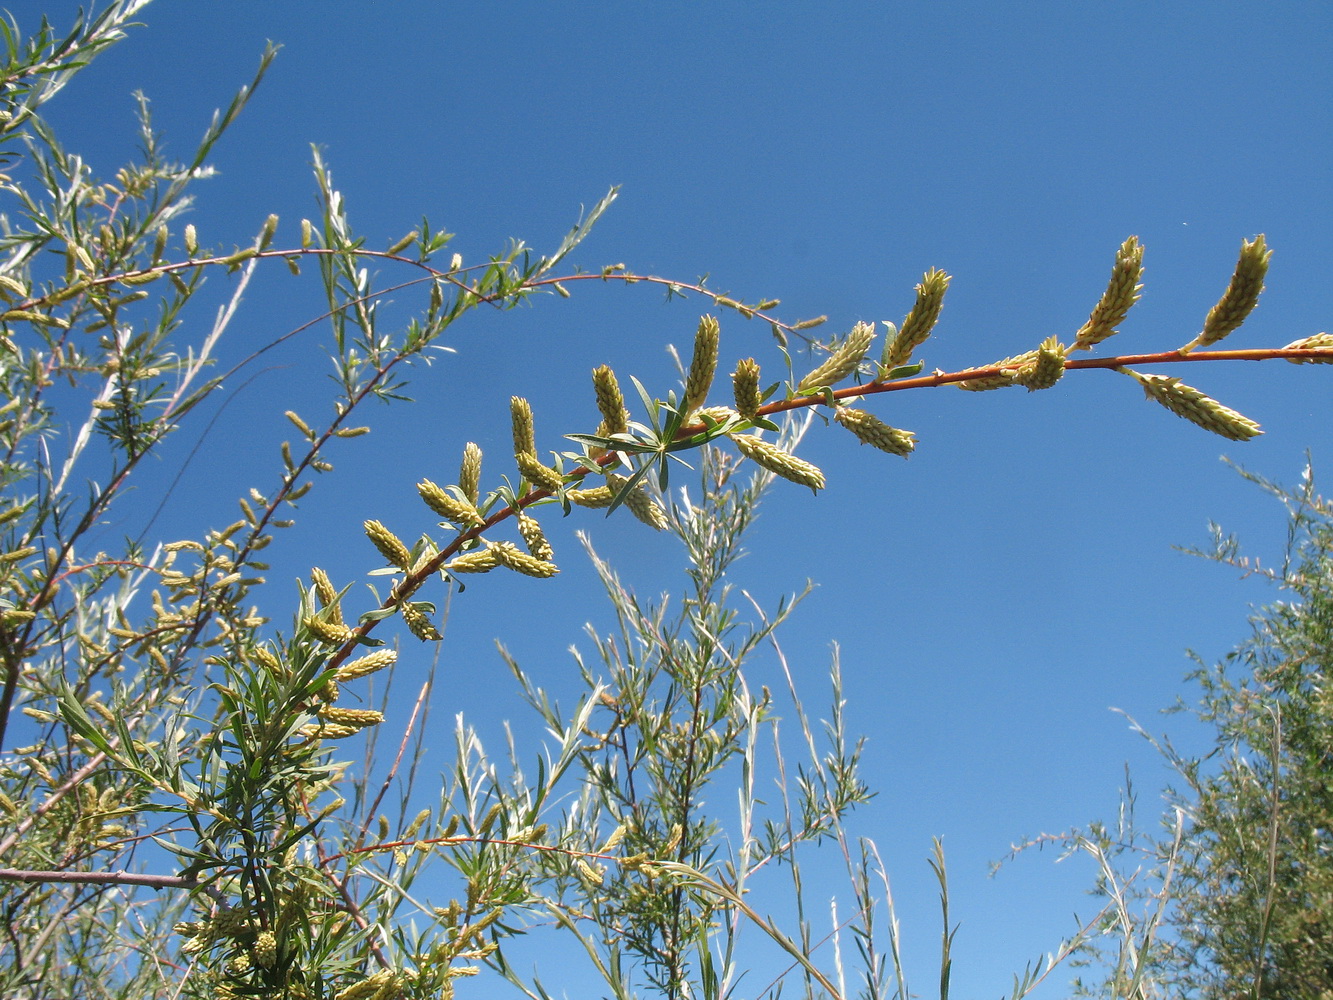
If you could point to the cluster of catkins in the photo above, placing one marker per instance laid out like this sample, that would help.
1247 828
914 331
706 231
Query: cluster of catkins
743 424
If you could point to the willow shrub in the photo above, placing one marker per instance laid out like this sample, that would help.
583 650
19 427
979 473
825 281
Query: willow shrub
183 817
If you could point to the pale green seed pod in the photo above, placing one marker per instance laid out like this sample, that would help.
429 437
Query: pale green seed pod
610 401
1320 341
1188 402
419 624
842 362
403 243
366 665
769 456
266 233
873 431
525 440
191 240
330 632
920 321
1241 296
449 507
1121 293
703 363
469 476
745 386
533 537
512 557
1044 367
389 545
640 504
541 476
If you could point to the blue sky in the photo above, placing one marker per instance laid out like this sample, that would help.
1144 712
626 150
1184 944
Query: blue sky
996 594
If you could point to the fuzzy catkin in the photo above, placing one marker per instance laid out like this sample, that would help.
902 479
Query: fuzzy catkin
469 474
703 363
419 624
842 362
640 504
323 587
481 561
745 386
920 321
875 432
525 439
512 557
610 401
453 510
769 456
541 476
366 665
1241 296
1043 367
533 536
357 718
389 545
1319 341
594 497
1122 291
1188 402
332 633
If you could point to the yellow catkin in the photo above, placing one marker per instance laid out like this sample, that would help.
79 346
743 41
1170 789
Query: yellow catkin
594 497
1044 367
266 659
366 665
525 440
610 401
1188 402
1241 296
769 456
357 718
1121 293
323 587
640 504
533 536
419 624
745 387
481 561
875 432
330 632
1319 341
469 475
920 321
389 545
541 476
453 510
266 949
368 987
842 362
512 557
703 363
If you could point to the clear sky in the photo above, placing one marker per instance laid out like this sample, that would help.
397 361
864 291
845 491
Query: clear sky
996 595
